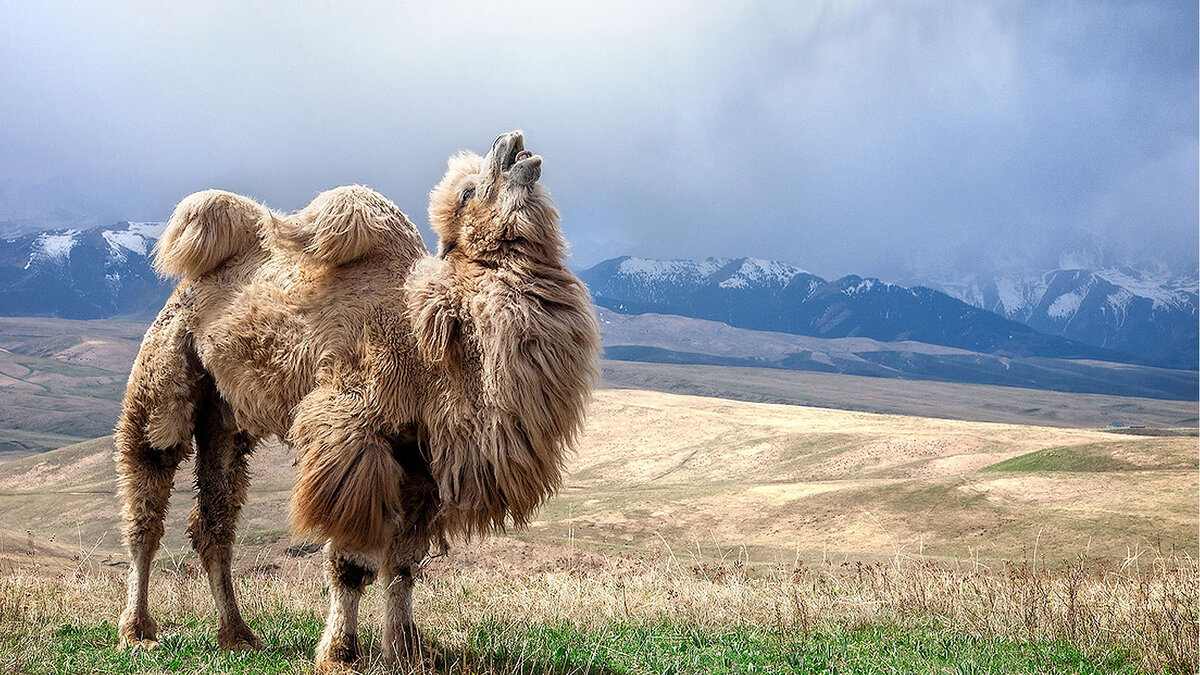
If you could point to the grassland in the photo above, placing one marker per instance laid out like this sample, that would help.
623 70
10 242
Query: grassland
61 381
968 529
576 611
976 402
776 480
694 535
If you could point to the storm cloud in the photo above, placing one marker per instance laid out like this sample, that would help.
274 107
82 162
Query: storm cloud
877 138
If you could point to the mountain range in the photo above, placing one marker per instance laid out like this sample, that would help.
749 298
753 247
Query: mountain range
1121 315
1151 314
773 296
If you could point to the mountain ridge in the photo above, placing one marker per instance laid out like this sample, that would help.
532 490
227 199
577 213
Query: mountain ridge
1117 314
799 302
95 273
1151 314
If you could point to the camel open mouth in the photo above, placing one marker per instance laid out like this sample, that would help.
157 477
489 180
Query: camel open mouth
516 153
509 155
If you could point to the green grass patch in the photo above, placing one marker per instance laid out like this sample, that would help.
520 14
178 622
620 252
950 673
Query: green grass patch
512 647
191 648
1064 458
618 648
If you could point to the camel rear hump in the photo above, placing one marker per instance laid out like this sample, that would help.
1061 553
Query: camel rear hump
206 229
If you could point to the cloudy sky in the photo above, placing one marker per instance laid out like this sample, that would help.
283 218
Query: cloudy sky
894 139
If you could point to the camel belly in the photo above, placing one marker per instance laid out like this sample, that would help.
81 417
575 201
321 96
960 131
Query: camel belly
263 357
261 379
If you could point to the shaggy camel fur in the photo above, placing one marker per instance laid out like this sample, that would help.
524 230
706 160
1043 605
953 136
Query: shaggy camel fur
426 397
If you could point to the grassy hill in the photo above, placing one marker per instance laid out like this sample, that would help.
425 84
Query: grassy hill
974 402
61 381
662 338
688 471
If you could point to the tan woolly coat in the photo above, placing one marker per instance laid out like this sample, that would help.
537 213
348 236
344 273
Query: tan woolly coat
386 368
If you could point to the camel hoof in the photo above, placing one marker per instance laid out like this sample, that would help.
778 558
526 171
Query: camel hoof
407 647
135 644
238 639
137 631
337 655
333 666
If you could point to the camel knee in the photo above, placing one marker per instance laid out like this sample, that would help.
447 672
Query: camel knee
351 572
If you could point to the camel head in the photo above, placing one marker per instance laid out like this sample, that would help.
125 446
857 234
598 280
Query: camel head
485 207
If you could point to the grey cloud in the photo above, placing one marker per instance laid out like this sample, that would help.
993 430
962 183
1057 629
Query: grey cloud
881 138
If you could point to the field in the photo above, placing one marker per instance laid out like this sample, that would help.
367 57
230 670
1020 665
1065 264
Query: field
974 402
779 521
580 612
61 381
775 480
694 534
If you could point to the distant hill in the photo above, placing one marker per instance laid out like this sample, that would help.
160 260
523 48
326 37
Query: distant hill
767 295
665 338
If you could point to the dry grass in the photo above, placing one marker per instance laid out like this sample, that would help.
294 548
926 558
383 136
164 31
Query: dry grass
586 612
583 591
769 477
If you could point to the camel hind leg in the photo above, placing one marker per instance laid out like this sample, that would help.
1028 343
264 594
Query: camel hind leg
147 474
222 476
153 436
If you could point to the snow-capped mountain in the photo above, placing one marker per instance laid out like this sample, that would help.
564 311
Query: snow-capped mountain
1153 315
82 274
1110 314
762 295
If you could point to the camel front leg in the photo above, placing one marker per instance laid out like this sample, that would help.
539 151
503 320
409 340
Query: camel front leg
348 574
401 637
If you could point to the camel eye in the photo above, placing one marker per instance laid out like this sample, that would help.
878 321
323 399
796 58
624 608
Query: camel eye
467 194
